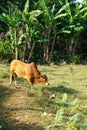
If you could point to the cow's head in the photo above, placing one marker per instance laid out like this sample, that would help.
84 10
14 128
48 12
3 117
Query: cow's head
43 79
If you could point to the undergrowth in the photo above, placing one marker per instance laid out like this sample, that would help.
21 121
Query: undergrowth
74 112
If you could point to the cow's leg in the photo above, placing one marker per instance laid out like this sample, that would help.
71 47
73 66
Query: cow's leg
15 79
30 83
11 75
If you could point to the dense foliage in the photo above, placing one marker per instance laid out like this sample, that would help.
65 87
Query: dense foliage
43 30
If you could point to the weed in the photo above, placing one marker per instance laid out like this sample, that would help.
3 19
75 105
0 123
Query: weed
72 121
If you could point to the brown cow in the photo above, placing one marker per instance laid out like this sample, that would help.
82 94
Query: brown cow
27 71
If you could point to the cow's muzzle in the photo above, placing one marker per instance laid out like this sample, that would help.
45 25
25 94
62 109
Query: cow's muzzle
47 84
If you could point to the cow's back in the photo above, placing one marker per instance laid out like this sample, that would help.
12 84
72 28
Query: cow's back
23 69
17 63
19 68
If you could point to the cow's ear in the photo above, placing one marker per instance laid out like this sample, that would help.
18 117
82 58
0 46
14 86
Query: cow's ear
44 74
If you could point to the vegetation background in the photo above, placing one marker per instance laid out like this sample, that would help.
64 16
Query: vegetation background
44 31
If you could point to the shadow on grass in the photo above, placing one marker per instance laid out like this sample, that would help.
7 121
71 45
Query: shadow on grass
63 89
22 108
27 126
19 126
5 94
5 122
15 125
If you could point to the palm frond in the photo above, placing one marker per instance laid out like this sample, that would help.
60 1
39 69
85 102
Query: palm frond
59 116
26 7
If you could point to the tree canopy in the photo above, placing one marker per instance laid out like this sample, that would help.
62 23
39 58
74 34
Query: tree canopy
44 31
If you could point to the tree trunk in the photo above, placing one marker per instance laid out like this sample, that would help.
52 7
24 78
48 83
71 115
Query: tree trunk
16 47
46 53
16 52
51 52
46 56
31 52
70 47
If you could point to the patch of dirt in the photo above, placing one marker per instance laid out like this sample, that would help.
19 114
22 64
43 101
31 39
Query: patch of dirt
19 108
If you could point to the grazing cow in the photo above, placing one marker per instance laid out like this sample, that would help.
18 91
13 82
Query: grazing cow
27 71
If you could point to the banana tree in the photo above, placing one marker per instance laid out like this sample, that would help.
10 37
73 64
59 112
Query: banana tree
74 23
66 21
22 28
51 19
31 25
13 20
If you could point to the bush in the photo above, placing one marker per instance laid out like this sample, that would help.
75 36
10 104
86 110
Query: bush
75 59
5 52
74 113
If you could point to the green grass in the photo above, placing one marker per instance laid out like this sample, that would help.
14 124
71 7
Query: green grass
23 109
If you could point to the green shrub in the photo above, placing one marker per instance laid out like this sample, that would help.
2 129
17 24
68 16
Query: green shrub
74 113
75 59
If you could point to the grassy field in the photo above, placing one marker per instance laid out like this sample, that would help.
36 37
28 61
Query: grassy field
24 109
